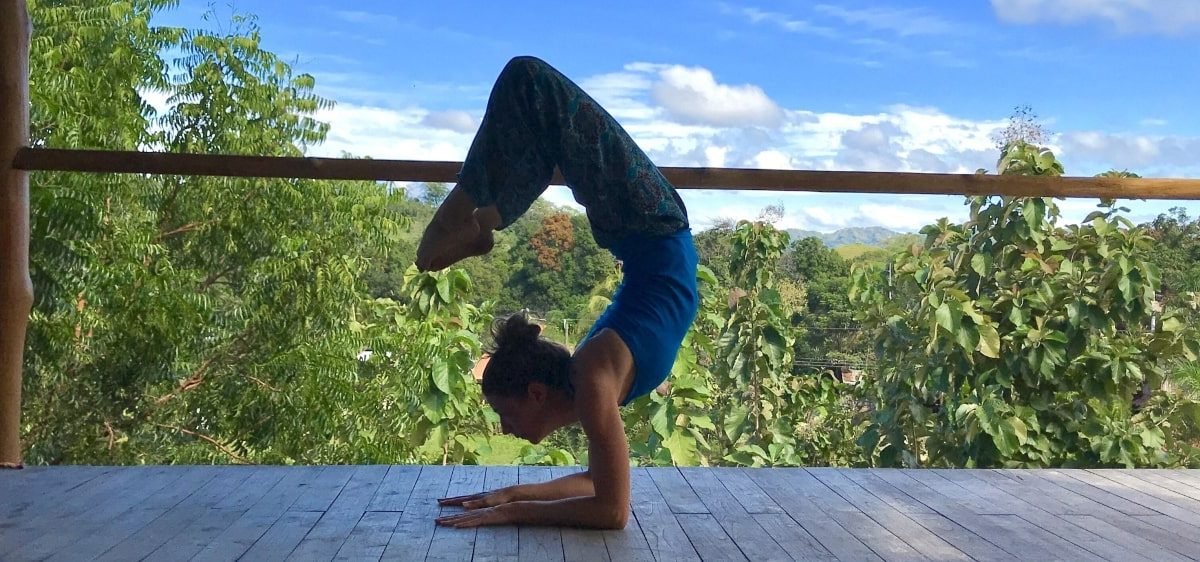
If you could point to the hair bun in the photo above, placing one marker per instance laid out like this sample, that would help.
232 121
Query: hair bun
516 330
532 331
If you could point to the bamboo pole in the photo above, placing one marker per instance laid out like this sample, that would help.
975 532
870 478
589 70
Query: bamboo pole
103 161
16 289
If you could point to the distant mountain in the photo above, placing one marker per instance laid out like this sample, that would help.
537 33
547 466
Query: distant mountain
868 235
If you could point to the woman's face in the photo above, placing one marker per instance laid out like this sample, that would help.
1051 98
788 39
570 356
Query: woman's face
521 416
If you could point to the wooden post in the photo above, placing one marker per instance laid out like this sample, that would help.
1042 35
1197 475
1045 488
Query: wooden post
16 289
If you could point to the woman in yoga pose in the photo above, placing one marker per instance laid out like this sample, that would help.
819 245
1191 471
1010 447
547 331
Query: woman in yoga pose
536 121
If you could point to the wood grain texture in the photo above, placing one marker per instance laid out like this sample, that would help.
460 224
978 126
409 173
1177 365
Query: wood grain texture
826 181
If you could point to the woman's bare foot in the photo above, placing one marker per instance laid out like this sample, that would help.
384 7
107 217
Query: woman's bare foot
441 240
478 246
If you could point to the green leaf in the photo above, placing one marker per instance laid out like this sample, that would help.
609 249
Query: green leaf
1153 438
735 421
968 337
979 263
703 422
989 341
441 376
659 420
682 447
944 318
443 289
1017 426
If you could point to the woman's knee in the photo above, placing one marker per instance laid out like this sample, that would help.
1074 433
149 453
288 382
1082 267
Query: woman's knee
526 64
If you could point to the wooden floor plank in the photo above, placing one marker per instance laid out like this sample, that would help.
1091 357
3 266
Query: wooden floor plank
1082 538
664 535
80 529
98 540
679 495
538 543
1005 531
968 532
1162 500
344 513
787 533
321 491
498 544
898 524
581 544
395 489
1127 539
43 516
370 536
1160 480
450 544
836 539
878 538
752 498
709 538
388 512
197 533
894 497
1180 536
414 532
962 538
753 541
175 520
281 539
1102 493
41 485
255 521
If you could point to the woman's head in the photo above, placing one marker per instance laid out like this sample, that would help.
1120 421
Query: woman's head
526 379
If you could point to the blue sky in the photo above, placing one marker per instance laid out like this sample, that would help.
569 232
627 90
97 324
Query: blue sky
863 85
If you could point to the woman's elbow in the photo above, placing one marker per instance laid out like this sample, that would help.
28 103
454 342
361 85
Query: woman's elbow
616 519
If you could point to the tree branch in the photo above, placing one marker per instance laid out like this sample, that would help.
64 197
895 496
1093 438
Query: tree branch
208 281
185 228
210 440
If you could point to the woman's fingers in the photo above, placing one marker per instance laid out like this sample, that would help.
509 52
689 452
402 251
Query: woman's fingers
490 516
464 519
458 500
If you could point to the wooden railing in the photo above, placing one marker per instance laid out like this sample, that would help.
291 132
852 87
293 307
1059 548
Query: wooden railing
109 161
16 160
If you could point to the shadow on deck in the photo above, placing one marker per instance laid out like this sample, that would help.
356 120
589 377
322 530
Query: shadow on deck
374 512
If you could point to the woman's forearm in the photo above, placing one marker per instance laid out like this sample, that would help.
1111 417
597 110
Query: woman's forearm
587 511
574 485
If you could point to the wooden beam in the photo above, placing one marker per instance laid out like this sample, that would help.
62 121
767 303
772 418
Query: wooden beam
16 290
100 161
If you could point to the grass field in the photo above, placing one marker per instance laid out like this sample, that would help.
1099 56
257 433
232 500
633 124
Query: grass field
851 251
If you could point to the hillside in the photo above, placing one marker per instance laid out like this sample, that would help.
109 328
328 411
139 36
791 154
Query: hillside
864 235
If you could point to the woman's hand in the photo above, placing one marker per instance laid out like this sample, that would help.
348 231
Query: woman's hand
481 499
498 515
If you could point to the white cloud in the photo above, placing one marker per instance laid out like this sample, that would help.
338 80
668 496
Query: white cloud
453 120
1153 122
1130 151
361 17
783 21
1172 17
903 22
388 133
772 160
692 94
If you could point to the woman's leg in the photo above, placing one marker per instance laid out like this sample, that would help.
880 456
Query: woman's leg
538 120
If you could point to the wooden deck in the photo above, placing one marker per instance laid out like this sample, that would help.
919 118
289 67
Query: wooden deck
373 512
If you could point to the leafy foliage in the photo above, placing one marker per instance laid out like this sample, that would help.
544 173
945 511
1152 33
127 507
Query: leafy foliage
1011 341
204 320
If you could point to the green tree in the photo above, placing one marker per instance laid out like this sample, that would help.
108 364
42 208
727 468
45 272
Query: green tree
1009 340
200 319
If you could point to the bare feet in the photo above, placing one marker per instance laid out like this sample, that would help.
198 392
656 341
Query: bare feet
444 245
